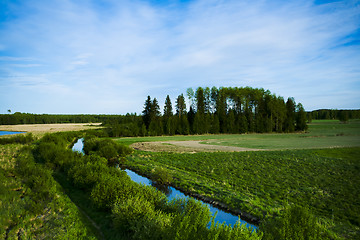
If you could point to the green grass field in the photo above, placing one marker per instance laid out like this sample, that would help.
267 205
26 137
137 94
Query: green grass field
318 169
321 134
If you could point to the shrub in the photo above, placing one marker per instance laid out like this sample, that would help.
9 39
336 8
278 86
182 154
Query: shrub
295 223
111 188
139 218
190 221
87 171
161 176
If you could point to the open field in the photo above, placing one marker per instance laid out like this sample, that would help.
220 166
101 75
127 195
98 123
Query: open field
41 129
318 169
324 180
321 134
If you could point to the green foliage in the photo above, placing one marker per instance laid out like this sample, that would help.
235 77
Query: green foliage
301 118
106 148
334 114
138 211
110 189
139 218
344 116
238 231
161 176
32 204
39 181
191 221
294 223
226 110
86 171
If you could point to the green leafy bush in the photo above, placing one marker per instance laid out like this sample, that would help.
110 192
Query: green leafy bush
161 176
138 218
87 171
106 148
111 188
294 223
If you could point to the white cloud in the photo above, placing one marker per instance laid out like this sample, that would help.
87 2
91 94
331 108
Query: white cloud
118 54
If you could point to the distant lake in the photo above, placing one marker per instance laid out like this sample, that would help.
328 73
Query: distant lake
9 133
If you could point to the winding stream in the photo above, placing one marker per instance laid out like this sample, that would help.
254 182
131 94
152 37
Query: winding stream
171 193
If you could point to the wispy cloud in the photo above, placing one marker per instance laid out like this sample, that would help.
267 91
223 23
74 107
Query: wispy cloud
113 54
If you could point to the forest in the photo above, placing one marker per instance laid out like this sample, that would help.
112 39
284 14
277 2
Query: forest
215 110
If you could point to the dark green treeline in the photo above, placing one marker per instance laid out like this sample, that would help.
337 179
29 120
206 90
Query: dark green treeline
215 110
332 114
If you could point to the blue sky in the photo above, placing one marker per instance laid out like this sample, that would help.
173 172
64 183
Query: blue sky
106 56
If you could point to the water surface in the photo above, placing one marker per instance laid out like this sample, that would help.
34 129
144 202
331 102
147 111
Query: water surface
9 133
171 193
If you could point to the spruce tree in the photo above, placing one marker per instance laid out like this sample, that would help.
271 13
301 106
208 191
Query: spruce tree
290 115
168 117
180 106
147 112
301 118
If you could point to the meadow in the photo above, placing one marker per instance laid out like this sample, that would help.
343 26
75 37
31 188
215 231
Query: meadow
51 192
318 169
321 134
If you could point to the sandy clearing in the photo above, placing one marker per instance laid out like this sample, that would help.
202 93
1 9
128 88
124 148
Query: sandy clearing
187 146
39 129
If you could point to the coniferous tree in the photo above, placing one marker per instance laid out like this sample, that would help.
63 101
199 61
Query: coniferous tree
147 112
215 126
169 127
191 118
221 109
228 110
155 127
290 115
182 124
243 125
168 107
301 118
343 116
199 120
180 105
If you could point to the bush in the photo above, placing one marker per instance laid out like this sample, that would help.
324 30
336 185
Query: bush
295 223
39 181
112 188
106 148
161 176
190 221
138 218
87 171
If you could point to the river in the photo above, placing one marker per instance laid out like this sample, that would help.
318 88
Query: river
171 193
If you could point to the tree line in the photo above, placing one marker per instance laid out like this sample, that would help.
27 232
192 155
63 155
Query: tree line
328 114
224 110
29 118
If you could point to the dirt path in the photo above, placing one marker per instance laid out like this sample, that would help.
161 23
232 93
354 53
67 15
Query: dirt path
186 146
